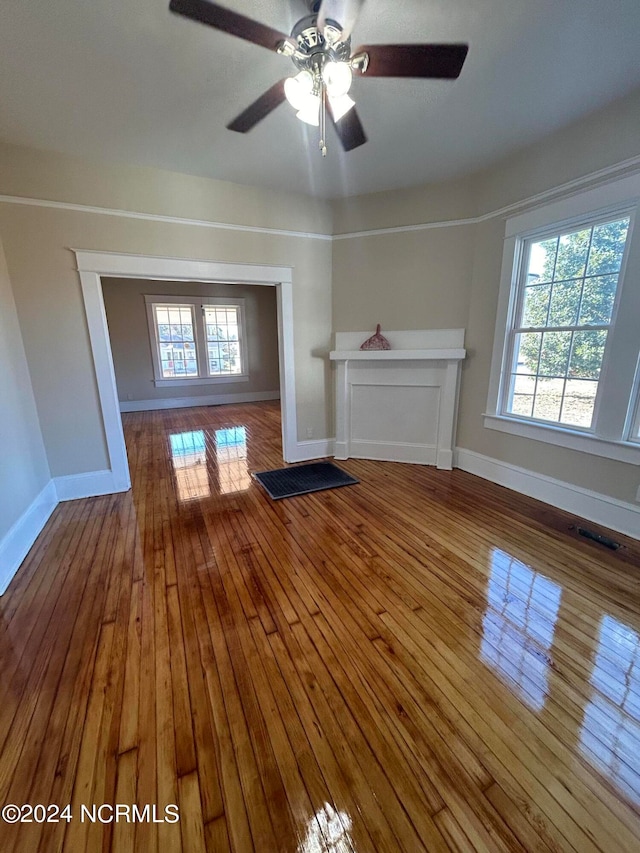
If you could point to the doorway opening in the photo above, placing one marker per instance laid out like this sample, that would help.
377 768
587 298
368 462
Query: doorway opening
93 266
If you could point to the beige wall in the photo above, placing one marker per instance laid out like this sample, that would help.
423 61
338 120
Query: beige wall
449 276
409 280
129 334
38 242
23 471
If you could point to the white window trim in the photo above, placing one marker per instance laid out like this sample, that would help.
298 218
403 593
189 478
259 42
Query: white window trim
196 303
632 429
617 198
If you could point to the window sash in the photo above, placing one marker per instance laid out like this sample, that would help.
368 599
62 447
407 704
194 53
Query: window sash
175 332
223 347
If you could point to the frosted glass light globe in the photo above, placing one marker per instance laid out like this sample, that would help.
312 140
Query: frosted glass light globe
298 89
337 78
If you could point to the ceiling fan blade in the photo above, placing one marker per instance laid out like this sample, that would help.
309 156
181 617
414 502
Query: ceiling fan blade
343 12
443 61
349 129
259 109
229 22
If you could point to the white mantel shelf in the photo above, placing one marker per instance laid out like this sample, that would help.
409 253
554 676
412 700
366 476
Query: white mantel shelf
439 354
400 404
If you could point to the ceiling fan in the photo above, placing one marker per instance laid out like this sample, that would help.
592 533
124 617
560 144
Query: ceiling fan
320 49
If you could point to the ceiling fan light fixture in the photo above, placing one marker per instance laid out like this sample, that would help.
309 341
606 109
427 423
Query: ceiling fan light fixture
298 89
341 106
337 77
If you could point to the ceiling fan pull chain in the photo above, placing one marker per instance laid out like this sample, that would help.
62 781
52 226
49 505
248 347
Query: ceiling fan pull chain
323 120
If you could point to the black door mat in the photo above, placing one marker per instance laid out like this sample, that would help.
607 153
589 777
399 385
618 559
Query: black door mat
300 479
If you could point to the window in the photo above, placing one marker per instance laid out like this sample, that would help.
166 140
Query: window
196 340
567 289
566 343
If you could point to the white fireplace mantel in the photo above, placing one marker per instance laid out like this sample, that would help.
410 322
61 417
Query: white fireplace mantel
398 405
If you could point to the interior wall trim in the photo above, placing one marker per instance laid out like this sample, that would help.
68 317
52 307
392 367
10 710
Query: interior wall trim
630 165
314 449
15 545
159 217
592 506
188 402
89 484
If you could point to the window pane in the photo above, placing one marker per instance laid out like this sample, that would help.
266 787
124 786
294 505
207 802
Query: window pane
536 305
522 404
579 401
587 354
607 247
597 300
548 402
178 360
572 255
554 355
565 300
527 352
542 260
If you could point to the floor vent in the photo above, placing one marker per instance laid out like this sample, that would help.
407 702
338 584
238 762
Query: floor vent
597 537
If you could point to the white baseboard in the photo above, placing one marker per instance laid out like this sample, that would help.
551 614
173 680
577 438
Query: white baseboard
601 509
205 400
392 451
307 450
15 545
88 485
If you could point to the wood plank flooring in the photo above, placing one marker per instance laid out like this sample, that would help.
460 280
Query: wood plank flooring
421 662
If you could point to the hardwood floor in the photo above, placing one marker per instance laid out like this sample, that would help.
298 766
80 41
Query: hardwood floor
423 661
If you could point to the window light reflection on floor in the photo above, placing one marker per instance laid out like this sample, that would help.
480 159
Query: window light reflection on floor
231 458
518 626
189 457
610 733
328 832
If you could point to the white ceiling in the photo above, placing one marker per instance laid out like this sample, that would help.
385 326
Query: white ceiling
130 82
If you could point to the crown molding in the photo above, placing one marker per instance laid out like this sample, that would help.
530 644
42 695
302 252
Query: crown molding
630 165
158 217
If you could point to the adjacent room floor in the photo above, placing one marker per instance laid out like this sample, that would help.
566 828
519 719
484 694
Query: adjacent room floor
423 661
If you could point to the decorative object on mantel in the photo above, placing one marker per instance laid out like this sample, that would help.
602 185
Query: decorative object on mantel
376 341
